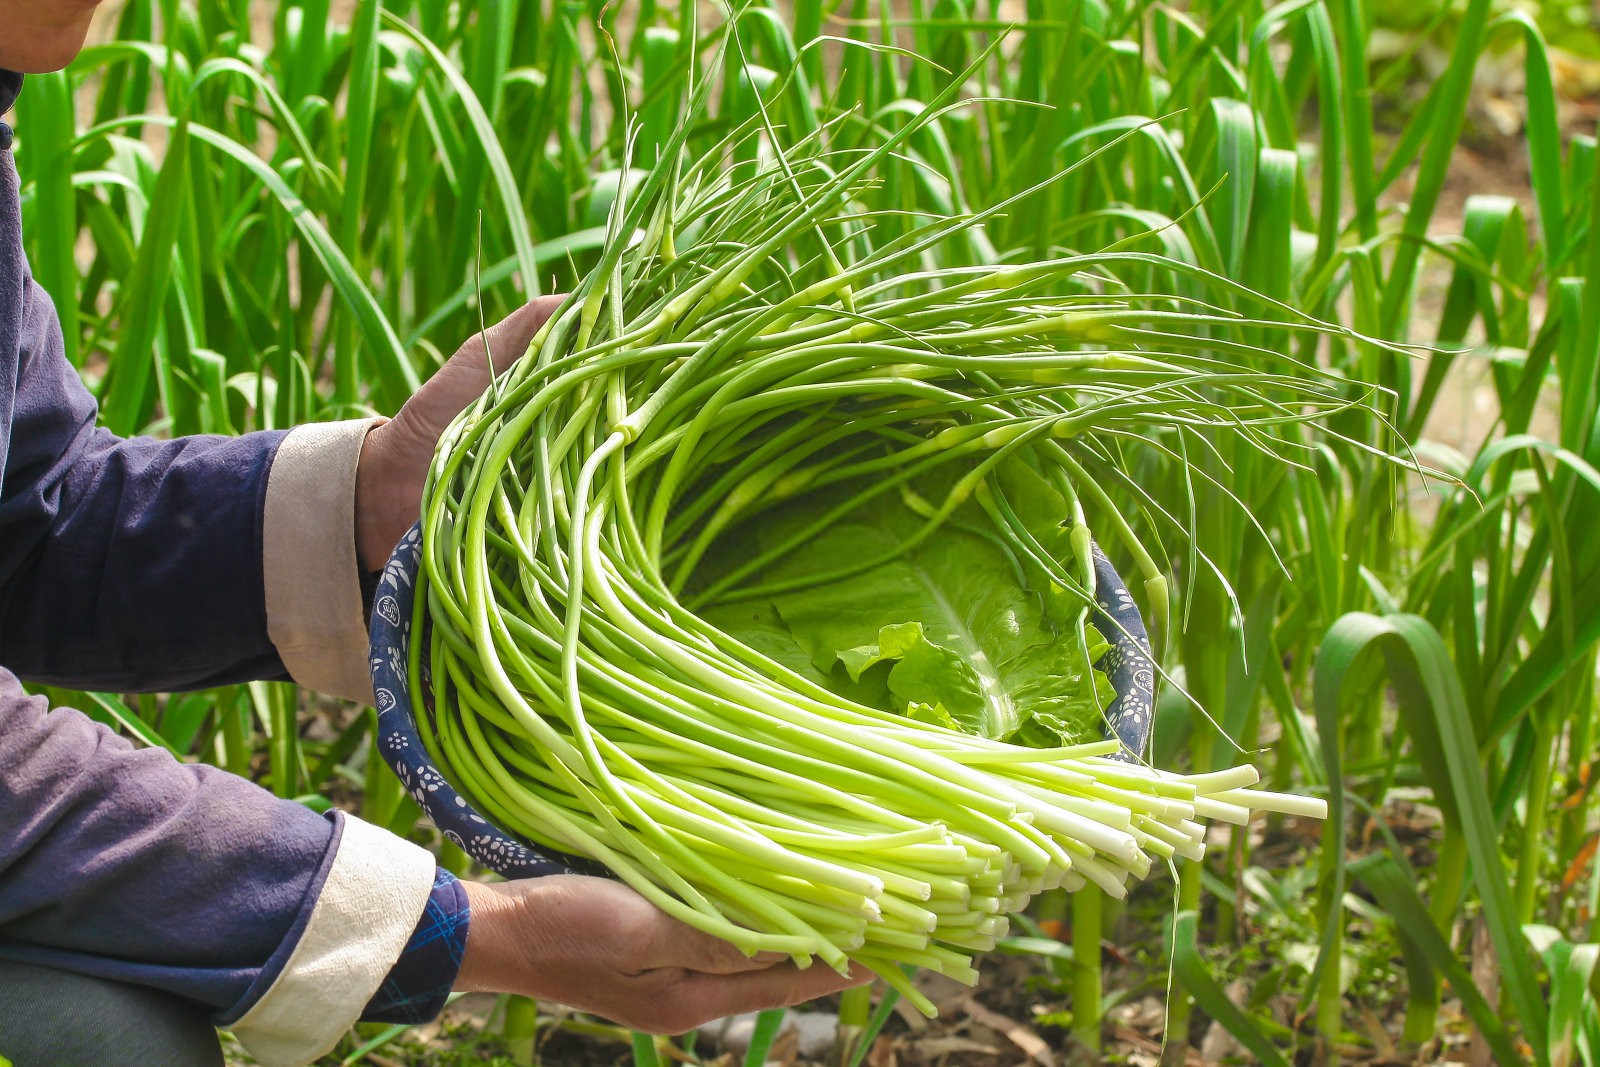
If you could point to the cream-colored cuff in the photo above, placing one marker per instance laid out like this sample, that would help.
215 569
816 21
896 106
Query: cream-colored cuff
314 616
376 889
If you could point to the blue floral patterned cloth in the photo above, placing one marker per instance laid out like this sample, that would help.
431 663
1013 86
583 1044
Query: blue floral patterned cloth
461 825
1128 663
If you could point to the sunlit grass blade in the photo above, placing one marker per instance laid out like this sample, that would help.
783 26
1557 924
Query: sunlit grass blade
1430 697
127 398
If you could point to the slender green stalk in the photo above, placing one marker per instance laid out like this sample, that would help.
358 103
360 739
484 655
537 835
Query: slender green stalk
1086 988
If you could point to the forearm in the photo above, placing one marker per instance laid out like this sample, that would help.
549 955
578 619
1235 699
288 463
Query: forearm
108 853
183 564
144 564
136 565
495 956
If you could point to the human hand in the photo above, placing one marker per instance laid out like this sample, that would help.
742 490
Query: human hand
597 946
395 457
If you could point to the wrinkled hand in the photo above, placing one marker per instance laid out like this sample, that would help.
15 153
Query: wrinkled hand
394 459
597 946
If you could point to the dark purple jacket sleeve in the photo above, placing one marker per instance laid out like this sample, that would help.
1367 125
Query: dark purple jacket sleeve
123 863
124 564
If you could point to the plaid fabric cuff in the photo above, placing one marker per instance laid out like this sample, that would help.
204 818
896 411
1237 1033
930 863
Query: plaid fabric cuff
415 988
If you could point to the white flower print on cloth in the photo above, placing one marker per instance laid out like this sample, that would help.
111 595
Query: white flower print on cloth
389 608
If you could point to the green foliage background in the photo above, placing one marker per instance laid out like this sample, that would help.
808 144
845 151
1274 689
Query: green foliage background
250 222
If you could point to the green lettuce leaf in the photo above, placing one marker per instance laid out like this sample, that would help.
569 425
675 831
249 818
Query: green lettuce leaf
952 632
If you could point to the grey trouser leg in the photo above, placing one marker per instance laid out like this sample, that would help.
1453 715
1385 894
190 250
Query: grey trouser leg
57 1019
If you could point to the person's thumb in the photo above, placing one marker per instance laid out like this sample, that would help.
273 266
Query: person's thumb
508 339
466 374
